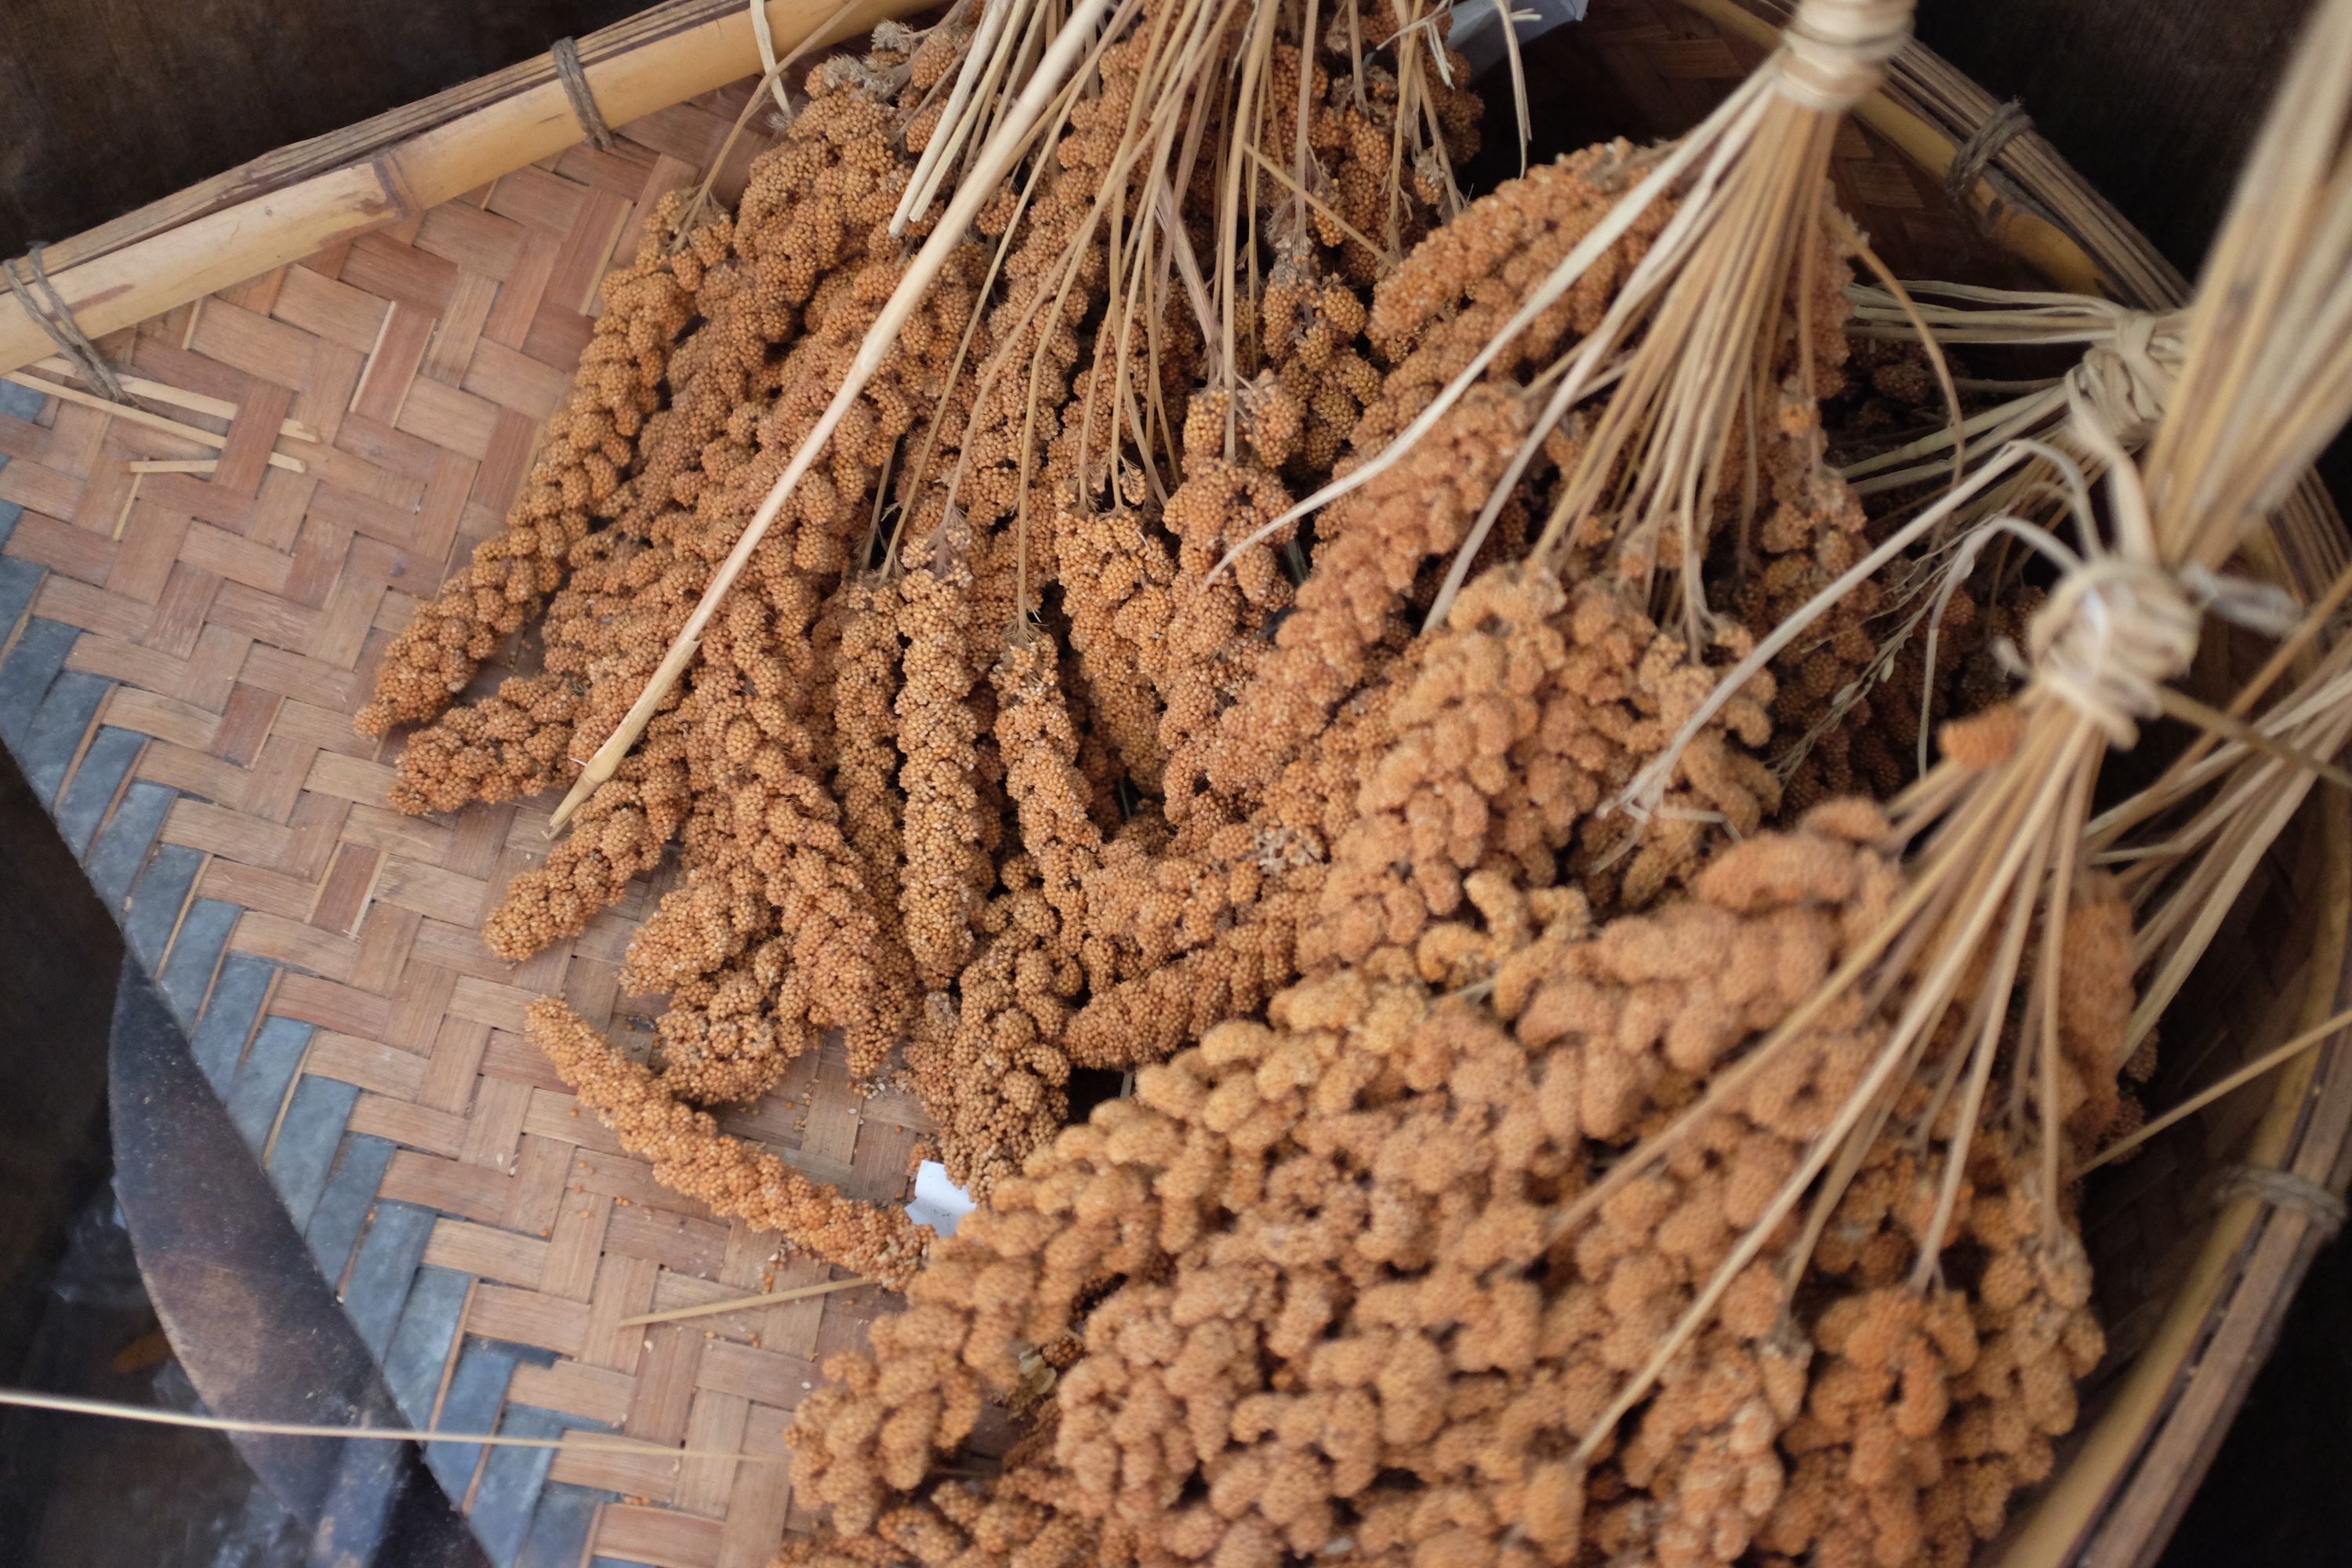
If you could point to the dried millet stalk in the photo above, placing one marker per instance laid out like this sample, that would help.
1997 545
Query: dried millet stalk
509 744
580 478
1204 927
1453 293
1929 1412
1311 329
1351 140
865 758
808 212
522 738
1117 588
773 861
739 1180
1528 710
946 868
994 1078
618 832
1213 641
1041 753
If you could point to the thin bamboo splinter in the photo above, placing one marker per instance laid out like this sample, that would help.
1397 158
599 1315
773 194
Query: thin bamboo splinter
201 438
177 396
740 1303
589 1443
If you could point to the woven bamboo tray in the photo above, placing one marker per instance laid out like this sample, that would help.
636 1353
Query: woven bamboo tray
183 652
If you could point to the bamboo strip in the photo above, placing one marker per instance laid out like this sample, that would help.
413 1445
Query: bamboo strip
179 397
201 438
712 1308
171 465
571 1442
283 207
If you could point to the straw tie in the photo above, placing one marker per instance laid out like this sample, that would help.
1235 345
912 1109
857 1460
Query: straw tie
1834 52
574 77
2128 379
58 320
2112 632
1975 155
2282 1189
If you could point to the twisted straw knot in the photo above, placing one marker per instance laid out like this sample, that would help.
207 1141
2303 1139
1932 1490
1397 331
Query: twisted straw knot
1834 52
2109 638
2126 380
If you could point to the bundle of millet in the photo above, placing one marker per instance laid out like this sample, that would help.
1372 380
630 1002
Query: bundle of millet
1375 541
512 744
1354 144
1336 1318
1929 1411
1214 637
618 833
808 210
1406 796
580 478
1310 326
993 1077
1950 1360
814 541
1323 1308
1204 927
1119 589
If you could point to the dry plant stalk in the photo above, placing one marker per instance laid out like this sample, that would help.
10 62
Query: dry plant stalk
2185 846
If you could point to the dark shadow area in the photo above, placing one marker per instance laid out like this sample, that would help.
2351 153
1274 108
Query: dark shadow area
75 1491
109 104
2155 101
59 954
2277 1497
